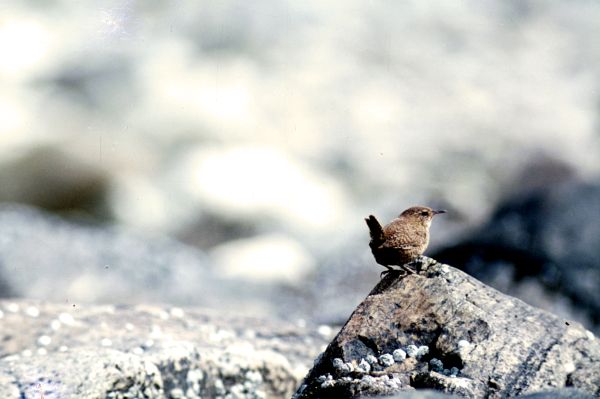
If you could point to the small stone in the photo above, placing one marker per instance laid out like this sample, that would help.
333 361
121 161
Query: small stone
411 350
341 367
363 366
367 379
371 359
436 365
321 379
422 351
219 387
44 340
254 376
394 383
386 360
454 372
399 355
328 382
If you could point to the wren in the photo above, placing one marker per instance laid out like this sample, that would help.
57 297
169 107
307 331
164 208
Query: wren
403 240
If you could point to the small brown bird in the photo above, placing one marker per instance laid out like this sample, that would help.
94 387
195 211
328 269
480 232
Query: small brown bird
404 239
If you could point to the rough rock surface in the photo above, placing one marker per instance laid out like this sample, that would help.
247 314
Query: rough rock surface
460 337
61 351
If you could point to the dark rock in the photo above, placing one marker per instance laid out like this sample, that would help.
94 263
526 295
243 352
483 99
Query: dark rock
52 179
541 246
62 351
501 346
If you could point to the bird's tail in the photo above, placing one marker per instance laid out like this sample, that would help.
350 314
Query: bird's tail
376 231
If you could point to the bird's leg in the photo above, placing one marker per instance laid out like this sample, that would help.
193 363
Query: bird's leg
385 272
407 269
390 269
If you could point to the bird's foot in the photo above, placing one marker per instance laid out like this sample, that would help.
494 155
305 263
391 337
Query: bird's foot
421 263
389 270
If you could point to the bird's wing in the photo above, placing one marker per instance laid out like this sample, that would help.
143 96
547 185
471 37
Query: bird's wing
399 235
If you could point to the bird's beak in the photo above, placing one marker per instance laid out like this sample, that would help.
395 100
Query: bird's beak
438 212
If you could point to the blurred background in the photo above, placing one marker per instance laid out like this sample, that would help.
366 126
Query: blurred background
225 153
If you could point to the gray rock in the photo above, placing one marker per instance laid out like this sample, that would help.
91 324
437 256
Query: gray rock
148 351
514 349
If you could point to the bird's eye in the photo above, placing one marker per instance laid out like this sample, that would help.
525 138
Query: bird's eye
424 213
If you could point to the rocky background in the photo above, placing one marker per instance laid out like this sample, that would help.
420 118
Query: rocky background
223 155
